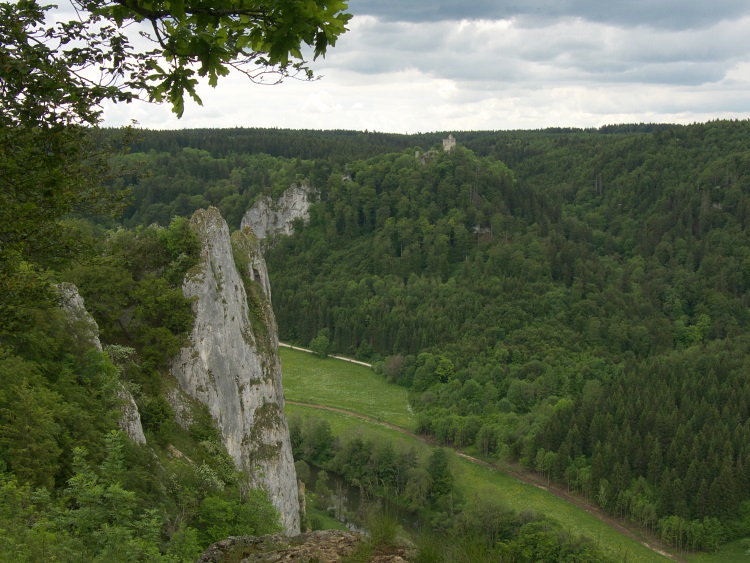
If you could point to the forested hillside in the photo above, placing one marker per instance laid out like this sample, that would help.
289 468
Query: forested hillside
575 300
594 326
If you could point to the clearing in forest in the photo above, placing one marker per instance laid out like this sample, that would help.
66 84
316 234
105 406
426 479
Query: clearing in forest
335 383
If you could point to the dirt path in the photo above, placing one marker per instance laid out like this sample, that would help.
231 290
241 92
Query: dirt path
525 477
342 358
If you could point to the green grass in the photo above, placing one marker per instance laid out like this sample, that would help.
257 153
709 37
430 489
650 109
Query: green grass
474 480
482 482
324 520
345 385
733 552
344 424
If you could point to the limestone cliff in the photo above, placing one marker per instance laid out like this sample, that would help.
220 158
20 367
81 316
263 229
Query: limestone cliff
130 419
72 303
232 362
268 218
76 313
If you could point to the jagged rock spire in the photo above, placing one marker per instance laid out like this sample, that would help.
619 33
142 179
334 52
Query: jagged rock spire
232 363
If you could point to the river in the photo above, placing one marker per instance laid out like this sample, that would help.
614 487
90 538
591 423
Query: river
350 504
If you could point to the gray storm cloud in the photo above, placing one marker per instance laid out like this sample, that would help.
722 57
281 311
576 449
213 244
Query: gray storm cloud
566 51
668 14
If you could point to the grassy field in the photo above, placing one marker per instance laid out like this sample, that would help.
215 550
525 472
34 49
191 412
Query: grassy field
474 480
732 552
336 383
484 482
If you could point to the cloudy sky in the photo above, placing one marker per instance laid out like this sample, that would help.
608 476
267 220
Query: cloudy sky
439 65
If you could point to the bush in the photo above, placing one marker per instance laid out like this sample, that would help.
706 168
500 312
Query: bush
321 344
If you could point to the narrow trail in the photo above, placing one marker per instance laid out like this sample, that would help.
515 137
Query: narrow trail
522 476
342 358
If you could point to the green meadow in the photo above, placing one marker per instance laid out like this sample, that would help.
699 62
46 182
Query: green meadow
335 383
732 552
483 482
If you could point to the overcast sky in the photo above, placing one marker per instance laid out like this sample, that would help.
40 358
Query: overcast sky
440 65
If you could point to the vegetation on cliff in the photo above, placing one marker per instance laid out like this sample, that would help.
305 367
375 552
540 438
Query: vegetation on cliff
72 486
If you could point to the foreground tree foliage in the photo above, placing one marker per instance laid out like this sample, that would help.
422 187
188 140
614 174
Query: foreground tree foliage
101 516
60 73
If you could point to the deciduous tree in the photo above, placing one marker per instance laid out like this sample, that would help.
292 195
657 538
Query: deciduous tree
60 72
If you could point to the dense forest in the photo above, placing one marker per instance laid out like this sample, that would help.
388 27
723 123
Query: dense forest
574 300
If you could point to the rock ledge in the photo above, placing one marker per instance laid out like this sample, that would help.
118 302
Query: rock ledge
328 546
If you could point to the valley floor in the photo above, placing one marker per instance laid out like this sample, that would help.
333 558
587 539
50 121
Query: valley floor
356 393
523 476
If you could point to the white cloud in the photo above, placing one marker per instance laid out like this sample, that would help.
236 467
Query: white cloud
495 74
321 102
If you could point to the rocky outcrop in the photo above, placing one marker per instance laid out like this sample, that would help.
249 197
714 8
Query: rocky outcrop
232 363
183 412
329 546
268 218
85 325
323 546
130 419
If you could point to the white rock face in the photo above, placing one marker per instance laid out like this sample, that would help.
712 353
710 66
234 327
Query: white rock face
232 364
183 414
130 421
268 218
72 303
